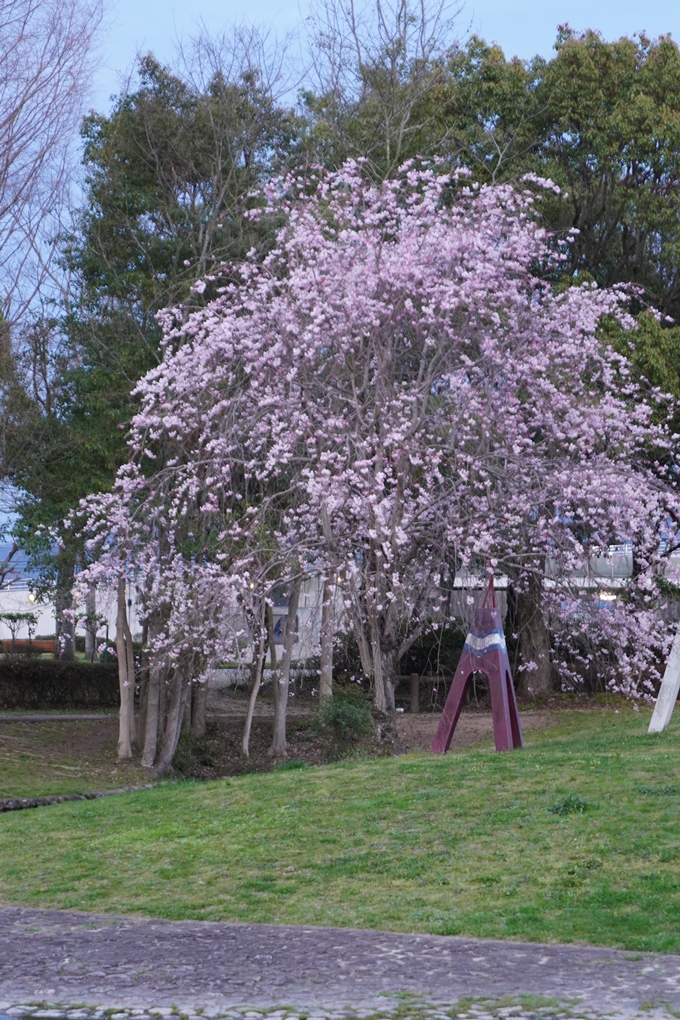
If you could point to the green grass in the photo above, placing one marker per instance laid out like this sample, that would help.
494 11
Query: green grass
40 759
462 844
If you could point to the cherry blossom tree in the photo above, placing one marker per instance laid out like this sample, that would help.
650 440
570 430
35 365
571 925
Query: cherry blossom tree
396 393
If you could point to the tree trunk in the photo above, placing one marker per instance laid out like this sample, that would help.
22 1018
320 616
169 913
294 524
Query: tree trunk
386 728
143 679
152 717
273 664
186 715
63 601
327 635
91 624
199 704
278 745
384 676
256 669
126 677
164 686
130 656
143 684
179 692
533 640
153 713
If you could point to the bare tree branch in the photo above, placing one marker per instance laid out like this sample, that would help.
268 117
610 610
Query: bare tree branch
45 69
381 57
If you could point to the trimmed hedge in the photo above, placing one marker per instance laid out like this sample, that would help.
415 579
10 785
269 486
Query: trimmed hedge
52 683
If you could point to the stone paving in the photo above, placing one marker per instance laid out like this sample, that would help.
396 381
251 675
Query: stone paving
61 964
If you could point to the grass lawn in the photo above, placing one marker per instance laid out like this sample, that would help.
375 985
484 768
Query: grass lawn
46 758
463 844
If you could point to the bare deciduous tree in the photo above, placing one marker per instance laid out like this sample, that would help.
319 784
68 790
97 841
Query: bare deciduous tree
372 65
45 67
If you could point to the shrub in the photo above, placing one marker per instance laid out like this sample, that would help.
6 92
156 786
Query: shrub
35 684
346 716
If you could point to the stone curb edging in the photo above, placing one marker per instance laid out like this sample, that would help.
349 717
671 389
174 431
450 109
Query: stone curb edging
20 803
36 717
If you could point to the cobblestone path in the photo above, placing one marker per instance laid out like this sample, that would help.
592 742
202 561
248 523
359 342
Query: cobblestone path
134 968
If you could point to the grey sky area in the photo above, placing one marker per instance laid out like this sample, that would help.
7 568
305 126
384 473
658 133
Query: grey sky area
522 27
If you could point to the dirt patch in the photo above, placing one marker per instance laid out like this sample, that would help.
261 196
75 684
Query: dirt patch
59 757
417 731
219 752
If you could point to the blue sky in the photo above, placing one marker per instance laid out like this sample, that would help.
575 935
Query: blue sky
522 27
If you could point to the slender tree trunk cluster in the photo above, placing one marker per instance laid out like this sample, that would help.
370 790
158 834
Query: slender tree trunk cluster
264 641
178 691
152 715
166 697
172 701
169 700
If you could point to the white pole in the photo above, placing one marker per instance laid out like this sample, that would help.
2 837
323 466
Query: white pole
670 687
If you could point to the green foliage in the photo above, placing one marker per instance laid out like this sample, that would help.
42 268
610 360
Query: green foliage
653 349
601 119
19 619
489 109
610 136
169 175
346 717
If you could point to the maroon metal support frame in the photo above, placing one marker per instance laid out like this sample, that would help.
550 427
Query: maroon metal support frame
484 651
